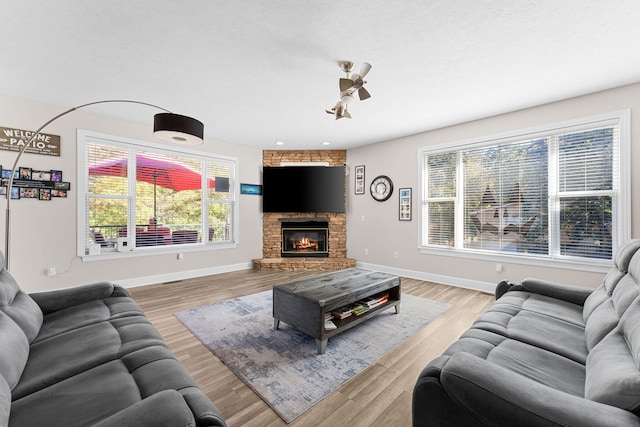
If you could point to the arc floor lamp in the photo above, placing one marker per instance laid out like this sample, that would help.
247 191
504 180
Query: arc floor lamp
166 126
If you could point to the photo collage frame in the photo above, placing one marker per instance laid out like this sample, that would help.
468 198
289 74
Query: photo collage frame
29 183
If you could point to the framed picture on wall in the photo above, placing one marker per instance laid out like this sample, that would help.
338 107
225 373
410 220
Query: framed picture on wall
405 204
25 173
251 189
41 175
359 179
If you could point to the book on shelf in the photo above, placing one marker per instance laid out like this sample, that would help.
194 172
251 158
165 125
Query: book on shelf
341 313
328 323
359 308
376 300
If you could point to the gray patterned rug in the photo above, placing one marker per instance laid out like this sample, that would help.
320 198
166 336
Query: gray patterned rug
282 366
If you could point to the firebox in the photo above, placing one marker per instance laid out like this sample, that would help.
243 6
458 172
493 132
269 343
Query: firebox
305 239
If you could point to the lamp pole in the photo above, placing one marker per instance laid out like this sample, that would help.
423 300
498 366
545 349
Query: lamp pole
177 124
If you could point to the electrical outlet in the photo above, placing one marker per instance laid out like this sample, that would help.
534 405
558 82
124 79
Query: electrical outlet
395 255
51 272
498 268
366 251
180 256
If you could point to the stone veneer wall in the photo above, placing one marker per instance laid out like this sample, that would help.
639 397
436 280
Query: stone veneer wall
271 241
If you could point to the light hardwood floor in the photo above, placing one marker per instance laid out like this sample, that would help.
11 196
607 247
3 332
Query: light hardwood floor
381 395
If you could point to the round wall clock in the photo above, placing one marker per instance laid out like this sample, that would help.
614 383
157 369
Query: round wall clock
381 188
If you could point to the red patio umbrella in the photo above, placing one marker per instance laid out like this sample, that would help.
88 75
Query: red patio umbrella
157 170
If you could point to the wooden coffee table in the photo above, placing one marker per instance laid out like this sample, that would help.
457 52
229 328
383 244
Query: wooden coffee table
304 303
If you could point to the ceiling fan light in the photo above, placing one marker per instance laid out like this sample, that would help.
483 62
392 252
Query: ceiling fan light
346 98
178 129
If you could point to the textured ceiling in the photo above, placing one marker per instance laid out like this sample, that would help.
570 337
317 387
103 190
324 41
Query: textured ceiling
256 72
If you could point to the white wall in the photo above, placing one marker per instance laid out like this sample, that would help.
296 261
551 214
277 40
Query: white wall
382 234
43 233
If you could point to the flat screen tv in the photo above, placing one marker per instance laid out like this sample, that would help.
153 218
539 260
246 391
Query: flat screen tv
311 189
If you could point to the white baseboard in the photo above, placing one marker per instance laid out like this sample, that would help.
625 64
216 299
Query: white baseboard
181 275
430 277
419 275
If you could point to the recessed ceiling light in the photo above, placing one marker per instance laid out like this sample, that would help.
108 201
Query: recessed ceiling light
326 143
279 143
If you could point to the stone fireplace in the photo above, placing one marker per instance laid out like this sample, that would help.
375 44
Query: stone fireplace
334 257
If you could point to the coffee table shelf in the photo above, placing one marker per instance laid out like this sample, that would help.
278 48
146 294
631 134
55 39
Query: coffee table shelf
304 303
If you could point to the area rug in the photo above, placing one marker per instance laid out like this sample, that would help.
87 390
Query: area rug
282 366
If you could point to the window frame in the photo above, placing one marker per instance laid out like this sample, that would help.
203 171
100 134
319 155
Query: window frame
84 137
621 221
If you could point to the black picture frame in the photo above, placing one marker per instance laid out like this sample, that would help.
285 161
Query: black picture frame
44 194
404 204
25 173
359 179
29 193
37 175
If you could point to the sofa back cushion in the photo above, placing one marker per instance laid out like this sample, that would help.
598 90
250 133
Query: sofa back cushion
19 306
14 351
605 306
621 262
5 402
612 372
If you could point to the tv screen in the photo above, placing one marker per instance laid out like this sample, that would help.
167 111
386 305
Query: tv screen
303 189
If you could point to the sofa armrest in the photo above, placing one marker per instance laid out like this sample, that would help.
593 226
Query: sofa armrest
63 298
570 293
165 408
504 398
205 412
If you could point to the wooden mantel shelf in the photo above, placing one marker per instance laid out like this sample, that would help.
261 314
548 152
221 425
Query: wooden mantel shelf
311 264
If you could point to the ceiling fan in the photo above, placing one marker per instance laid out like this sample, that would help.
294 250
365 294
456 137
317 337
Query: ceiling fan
349 85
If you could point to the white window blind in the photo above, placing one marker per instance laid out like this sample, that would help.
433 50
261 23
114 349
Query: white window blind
440 198
505 198
555 195
155 199
587 165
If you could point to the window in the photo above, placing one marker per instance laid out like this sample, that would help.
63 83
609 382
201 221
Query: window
140 197
555 193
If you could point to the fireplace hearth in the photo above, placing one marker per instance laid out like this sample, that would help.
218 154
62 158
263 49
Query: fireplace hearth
305 239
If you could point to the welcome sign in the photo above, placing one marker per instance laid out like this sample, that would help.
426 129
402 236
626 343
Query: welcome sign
12 139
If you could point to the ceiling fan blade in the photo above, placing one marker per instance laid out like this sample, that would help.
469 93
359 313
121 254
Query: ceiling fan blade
364 69
332 111
345 84
363 94
342 116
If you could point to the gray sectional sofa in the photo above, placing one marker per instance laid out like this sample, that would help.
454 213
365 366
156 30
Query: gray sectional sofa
544 354
88 356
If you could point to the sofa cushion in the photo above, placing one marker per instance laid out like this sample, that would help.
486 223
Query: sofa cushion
18 305
65 355
14 350
542 366
5 402
548 306
74 317
621 262
540 330
99 393
81 400
604 317
613 374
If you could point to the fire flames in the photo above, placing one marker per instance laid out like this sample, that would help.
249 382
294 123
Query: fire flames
305 244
